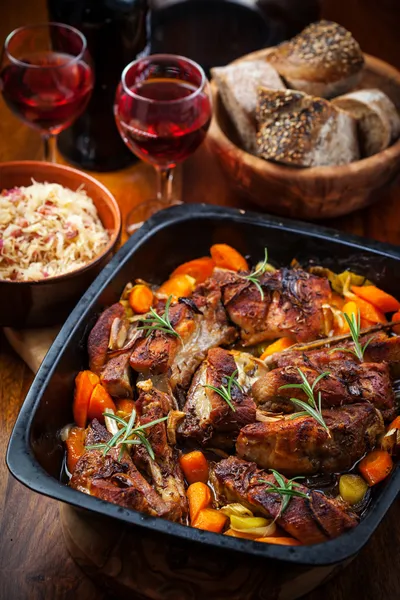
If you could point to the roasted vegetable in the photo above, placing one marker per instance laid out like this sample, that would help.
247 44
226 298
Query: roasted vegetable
75 443
199 268
255 526
352 488
140 299
178 286
100 401
339 281
376 466
278 346
281 541
85 382
227 257
391 440
210 519
378 298
199 497
194 466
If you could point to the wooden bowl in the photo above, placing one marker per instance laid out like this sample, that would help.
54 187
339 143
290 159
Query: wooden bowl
49 301
309 193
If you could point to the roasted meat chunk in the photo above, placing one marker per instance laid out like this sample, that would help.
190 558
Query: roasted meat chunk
99 337
348 382
208 415
302 446
164 470
312 520
292 305
115 479
116 378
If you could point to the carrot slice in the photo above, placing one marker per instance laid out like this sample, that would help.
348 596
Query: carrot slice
199 497
125 406
75 447
396 317
376 466
194 466
278 346
179 286
377 297
85 383
199 268
369 312
100 402
283 541
210 519
140 298
227 257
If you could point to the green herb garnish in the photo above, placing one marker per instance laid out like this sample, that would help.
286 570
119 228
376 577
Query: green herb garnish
255 275
127 435
312 407
159 322
285 489
225 391
354 323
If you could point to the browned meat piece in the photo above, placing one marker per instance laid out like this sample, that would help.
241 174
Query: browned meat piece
201 328
207 413
164 471
100 335
302 446
310 521
113 479
116 376
347 382
292 305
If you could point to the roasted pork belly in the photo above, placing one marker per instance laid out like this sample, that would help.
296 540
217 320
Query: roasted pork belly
292 305
99 337
207 413
302 446
114 478
311 521
348 382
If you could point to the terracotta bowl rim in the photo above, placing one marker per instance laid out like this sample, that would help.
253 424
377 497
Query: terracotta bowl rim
357 167
83 177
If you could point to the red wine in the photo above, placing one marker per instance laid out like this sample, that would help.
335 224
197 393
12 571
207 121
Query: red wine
169 129
51 97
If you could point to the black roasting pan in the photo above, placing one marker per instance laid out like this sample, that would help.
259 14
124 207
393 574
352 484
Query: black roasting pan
178 234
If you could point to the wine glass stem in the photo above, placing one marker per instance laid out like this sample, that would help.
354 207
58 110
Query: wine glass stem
49 147
164 184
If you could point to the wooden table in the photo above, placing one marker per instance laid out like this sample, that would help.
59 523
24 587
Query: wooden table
34 563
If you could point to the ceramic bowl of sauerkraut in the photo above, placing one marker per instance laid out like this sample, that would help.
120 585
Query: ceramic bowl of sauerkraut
58 229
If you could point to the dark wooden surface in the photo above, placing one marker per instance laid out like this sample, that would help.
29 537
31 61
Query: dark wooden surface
34 563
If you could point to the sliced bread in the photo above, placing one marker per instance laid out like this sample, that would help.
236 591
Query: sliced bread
237 85
377 117
304 131
323 60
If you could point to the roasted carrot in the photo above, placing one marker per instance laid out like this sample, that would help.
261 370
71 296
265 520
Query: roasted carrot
125 406
100 402
178 286
227 257
85 382
376 466
278 346
395 424
396 317
194 466
377 297
282 541
140 298
199 497
369 312
199 268
75 447
210 519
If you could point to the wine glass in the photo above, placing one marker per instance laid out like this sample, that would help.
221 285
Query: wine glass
163 111
46 78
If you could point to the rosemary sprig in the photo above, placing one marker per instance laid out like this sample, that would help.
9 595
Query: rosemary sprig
285 489
159 322
312 407
354 323
225 391
127 435
255 275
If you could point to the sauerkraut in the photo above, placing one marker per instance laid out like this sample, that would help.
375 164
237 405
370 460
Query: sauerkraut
47 230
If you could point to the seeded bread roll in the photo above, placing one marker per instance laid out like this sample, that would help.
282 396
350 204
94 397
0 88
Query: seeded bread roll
237 85
377 118
323 60
304 131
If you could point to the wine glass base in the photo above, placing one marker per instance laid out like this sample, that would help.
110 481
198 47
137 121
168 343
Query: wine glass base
144 211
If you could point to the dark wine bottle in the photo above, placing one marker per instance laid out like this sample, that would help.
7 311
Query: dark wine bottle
117 32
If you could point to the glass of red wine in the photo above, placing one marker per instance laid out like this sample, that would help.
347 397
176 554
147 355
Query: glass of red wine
46 78
163 111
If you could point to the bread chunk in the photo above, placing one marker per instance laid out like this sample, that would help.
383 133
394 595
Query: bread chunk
237 85
304 131
323 60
